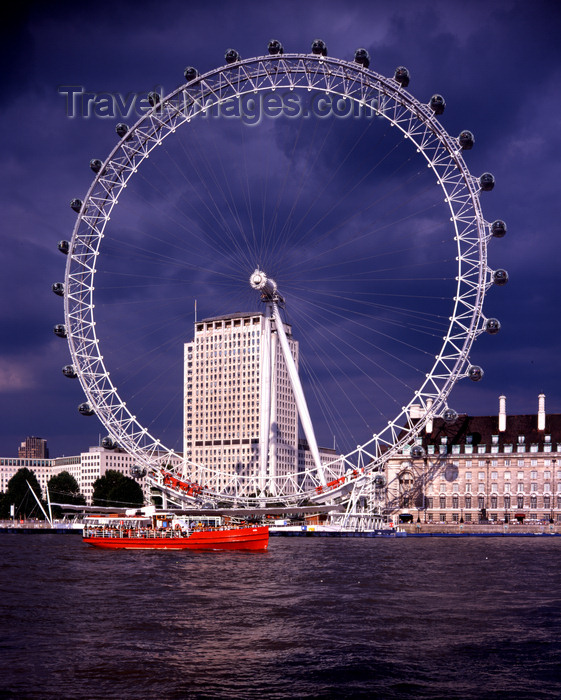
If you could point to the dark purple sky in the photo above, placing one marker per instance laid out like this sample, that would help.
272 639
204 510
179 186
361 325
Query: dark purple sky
498 65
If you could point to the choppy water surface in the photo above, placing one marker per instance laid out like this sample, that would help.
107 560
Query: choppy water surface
409 618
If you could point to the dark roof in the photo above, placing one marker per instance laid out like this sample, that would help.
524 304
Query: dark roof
482 428
227 317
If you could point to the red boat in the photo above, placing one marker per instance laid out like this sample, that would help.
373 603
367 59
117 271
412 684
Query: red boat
164 531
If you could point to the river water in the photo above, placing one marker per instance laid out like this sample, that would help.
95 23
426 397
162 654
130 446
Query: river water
310 618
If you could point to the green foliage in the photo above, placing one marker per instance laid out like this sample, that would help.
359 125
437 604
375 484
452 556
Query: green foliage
63 488
18 494
116 489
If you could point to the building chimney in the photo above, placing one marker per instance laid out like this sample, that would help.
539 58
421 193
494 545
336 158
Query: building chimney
429 425
502 414
541 412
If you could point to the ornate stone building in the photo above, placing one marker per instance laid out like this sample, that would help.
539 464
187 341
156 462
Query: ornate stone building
480 468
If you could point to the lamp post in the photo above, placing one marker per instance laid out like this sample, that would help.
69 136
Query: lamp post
554 492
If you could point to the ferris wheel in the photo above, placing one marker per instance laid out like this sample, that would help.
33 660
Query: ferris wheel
327 267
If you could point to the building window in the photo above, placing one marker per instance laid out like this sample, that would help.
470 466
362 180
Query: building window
493 501
443 501
533 502
546 502
455 503
480 502
507 502
520 501
468 501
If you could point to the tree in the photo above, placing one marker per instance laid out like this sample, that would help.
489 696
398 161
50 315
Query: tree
116 489
64 488
19 495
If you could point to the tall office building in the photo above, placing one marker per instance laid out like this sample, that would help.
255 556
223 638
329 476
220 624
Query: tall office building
225 421
33 447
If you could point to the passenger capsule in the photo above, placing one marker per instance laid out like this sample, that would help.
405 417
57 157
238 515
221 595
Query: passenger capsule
319 47
122 130
190 73
402 76
466 140
64 247
417 452
107 443
95 165
69 371
231 56
85 409
362 57
487 182
380 480
154 98
58 289
475 373
137 472
498 228
60 330
76 204
450 416
275 47
437 104
500 277
492 326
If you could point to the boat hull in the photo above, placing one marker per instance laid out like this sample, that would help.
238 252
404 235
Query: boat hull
247 538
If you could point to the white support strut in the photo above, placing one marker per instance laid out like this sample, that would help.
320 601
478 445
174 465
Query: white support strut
270 295
265 403
299 397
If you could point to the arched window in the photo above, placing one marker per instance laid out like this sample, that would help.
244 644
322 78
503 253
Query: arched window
481 502
520 501
533 502
546 502
493 501
507 502
468 501
443 501
455 503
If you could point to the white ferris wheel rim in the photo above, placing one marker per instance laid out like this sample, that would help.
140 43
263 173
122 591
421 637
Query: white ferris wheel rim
310 72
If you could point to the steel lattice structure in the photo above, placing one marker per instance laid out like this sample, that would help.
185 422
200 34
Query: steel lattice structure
416 121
